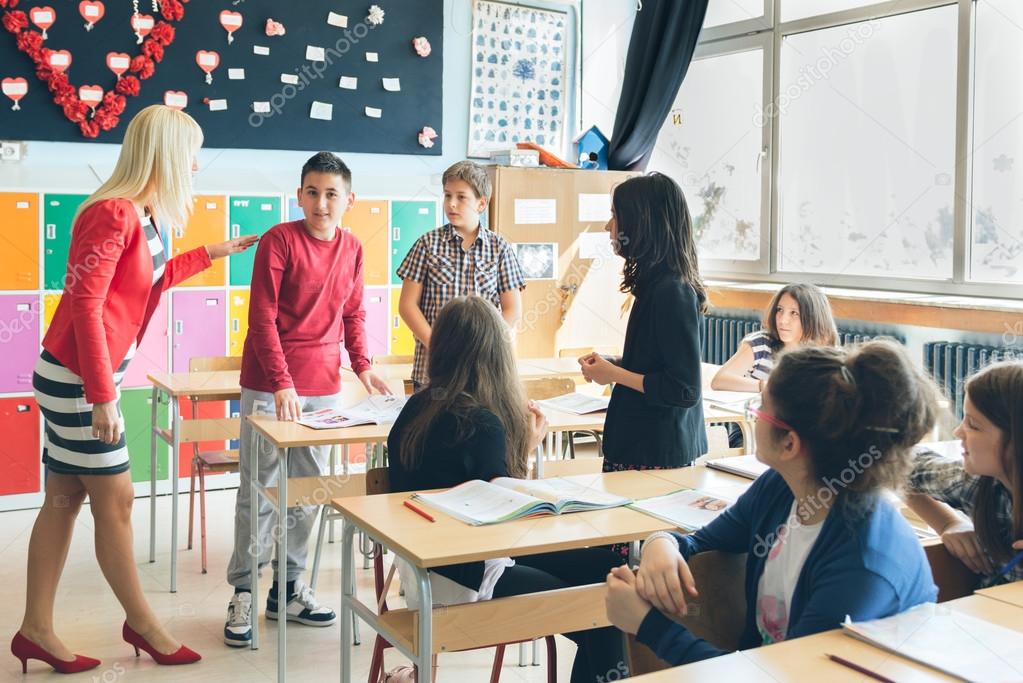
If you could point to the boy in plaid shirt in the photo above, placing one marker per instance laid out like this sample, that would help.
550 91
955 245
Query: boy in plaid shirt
459 259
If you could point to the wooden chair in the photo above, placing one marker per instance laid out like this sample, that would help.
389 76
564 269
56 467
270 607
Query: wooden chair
378 482
392 360
208 461
717 444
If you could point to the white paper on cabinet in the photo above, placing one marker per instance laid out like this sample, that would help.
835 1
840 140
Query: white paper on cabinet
536 211
594 208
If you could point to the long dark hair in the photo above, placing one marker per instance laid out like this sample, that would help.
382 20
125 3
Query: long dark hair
655 234
997 392
471 366
814 315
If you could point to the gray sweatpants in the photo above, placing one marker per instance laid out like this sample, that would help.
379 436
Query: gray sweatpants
302 462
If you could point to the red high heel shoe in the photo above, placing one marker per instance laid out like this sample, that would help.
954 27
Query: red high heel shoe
24 649
182 656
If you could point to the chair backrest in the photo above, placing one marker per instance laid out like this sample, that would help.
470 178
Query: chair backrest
576 351
717 443
391 360
378 481
548 387
214 363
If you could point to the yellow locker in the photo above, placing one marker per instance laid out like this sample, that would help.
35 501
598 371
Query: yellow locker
238 325
50 302
368 220
19 256
208 225
402 341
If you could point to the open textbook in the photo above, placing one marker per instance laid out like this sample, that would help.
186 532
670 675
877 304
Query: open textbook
480 502
689 509
741 465
959 645
732 401
376 409
577 403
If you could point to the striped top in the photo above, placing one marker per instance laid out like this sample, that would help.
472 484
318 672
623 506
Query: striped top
155 248
763 356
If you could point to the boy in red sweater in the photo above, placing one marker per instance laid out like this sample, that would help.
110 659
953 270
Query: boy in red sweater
305 301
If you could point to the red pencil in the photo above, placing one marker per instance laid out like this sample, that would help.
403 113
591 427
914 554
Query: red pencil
857 667
418 511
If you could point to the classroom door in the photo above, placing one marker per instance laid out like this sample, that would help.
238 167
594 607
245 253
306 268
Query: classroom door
250 216
20 449
136 406
207 225
19 341
368 221
402 341
238 316
58 214
200 327
151 355
376 302
19 258
409 221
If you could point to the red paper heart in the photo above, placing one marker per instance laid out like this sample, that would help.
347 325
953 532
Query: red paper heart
231 21
207 60
175 99
59 60
15 88
107 115
118 62
90 94
92 11
43 17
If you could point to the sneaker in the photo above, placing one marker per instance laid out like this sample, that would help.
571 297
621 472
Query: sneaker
302 607
238 629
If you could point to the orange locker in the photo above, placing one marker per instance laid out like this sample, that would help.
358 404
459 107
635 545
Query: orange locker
402 341
208 225
50 302
368 220
19 257
238 321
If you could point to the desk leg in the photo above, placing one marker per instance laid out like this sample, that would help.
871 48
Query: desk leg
154 410
254 548
347 597
282 565
424 662
172 468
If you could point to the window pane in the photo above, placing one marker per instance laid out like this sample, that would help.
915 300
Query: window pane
710 144
997 207
729 11
868 147
800 9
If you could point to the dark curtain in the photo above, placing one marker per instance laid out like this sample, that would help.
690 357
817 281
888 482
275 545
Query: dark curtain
663 39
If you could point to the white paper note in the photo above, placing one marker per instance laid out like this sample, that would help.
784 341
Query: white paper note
236 74
42 17
207 59
120 62
218 105
595 245
91 10
25 205
58 59
536 211
289 78
261 107
391 84
260 50
176 100
595 207
314 53
322 111
210 206
339 20
348 82
372 57
373 112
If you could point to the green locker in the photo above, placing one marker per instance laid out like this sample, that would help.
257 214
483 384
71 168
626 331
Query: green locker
250 216
58 213
137 416
409 221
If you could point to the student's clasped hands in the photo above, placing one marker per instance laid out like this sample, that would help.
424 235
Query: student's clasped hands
597 368
662 581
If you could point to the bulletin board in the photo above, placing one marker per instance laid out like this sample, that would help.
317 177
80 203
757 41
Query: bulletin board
373 116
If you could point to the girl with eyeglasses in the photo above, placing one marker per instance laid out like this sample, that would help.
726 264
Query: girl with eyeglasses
837 427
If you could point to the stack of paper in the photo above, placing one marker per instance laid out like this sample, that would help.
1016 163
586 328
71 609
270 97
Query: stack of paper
741 465
733 401
577 403
376 409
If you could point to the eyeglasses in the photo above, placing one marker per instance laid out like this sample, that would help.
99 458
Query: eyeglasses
754 413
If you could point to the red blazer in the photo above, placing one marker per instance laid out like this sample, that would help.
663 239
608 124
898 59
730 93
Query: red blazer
109 295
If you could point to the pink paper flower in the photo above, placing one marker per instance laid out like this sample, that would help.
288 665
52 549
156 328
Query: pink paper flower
274 28
426 136
422 46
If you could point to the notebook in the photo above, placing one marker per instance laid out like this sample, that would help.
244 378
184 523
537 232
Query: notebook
968 648
732 401
688 509
376 409
480 502
577 403
742 465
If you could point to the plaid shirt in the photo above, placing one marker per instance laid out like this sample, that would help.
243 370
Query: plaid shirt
446 270
947 481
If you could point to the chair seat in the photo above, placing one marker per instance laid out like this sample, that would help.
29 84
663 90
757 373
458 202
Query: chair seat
219 461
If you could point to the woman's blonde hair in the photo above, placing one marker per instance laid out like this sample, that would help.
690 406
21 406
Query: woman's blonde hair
155 165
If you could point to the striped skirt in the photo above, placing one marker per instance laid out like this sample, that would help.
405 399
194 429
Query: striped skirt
69 446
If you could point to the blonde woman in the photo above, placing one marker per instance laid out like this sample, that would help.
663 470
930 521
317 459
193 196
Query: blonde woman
116 272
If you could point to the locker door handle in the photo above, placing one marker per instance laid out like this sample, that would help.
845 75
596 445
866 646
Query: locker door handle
396 234
179 326
23 408
235 231
51 231
179 233
49 252
234 324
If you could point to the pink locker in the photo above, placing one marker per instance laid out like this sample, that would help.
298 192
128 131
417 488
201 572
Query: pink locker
151 355
199 327
19 341
375 301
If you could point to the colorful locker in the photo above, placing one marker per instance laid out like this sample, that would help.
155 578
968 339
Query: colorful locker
368 221
250 216
136 407
19 341
402 341
238 317
206 226
151 355
50 302
200 326
19 259
20 447
409 220
295 212
58 214
375 301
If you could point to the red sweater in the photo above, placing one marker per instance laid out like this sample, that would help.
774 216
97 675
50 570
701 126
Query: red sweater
109 295
306 299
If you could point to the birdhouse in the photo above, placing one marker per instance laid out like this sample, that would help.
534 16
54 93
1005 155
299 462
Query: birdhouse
591 149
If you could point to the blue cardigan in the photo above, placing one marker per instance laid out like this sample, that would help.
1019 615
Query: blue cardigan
868 568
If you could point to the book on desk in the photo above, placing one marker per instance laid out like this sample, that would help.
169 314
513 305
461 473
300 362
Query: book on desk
577 403
688 509
377 409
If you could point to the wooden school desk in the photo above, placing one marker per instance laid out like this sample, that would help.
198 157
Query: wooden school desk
1011 593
